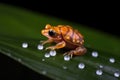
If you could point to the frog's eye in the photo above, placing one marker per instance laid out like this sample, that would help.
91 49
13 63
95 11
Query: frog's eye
51 33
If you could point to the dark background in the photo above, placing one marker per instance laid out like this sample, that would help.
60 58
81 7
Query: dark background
103 17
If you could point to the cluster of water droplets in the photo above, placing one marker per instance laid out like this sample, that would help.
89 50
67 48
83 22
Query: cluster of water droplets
51 53
81 65
112 60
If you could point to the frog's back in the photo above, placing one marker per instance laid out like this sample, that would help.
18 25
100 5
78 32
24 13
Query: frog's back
71 36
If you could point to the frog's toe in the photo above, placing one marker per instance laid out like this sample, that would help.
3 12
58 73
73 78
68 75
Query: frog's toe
69 54
50 48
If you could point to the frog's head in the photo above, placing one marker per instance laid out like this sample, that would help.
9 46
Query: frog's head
51 32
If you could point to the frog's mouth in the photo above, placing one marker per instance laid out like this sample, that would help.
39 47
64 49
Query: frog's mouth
45 33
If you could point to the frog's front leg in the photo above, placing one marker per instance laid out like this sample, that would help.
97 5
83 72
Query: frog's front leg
57 46
47 41
78 51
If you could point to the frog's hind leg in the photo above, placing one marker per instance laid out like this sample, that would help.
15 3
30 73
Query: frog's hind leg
78 51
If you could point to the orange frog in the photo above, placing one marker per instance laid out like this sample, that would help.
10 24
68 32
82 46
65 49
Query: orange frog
64 36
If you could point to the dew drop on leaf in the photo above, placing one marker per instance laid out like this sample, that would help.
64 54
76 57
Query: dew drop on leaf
111 60
52 53
66 57
81 65
64 67
100 66
116 74
95 54
43 59
99 72
47 55
24 45
44 72
9 54
40 47
19 59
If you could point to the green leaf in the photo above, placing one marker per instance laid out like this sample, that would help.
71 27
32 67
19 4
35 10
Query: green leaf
19 25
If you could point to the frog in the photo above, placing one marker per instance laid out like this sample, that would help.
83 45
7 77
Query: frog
64 36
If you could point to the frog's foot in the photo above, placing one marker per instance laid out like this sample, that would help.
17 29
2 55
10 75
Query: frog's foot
70 53
51 48
78 51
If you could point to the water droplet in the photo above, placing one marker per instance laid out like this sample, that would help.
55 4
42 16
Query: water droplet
64 67
101 66
19 60
24 45
47 55
44 72
40 47
81 65
8 54
53 53
95 54
66 57
43 59
99 72
112 60
116 74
